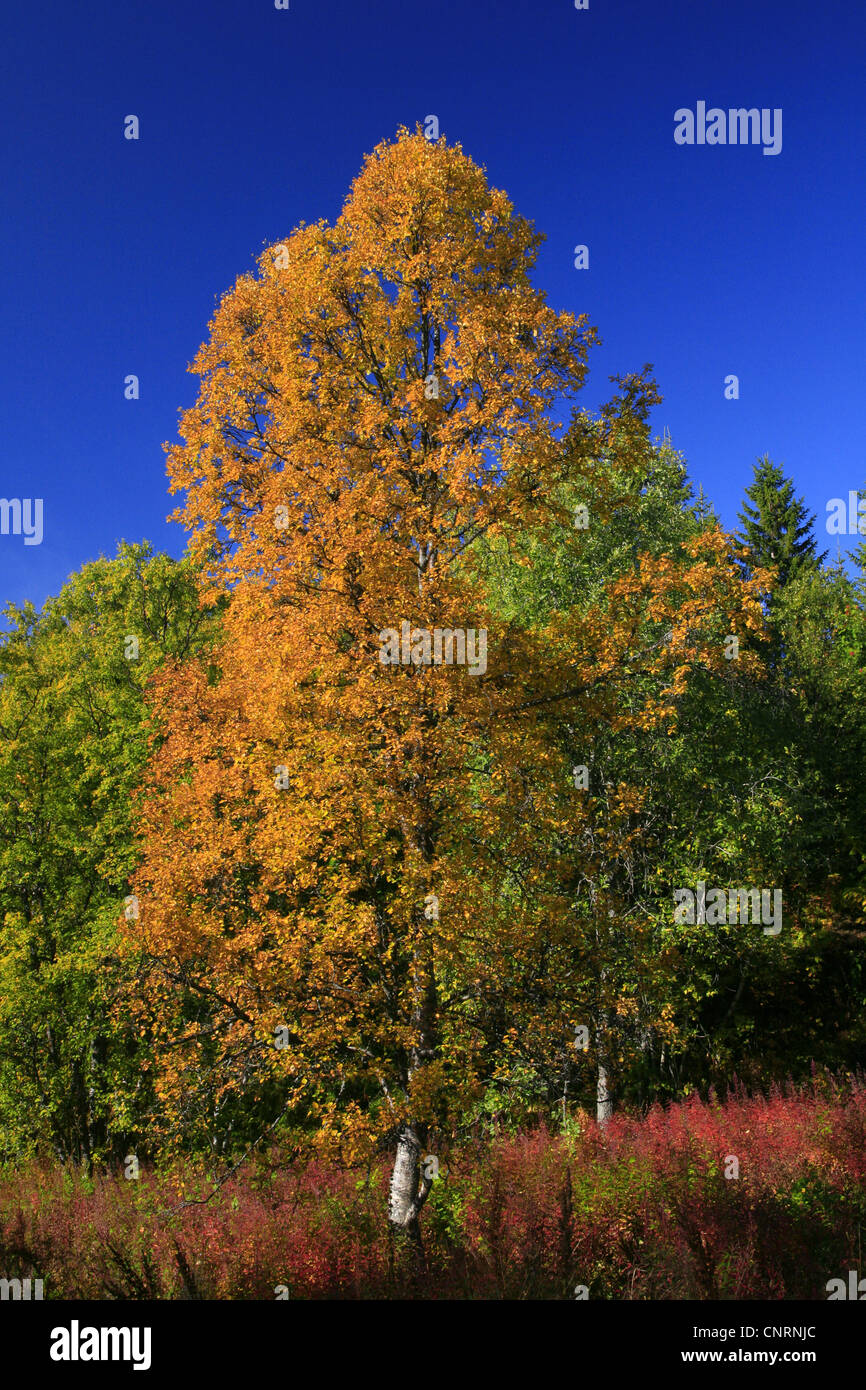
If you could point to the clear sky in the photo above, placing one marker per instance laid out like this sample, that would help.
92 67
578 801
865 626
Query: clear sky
706 260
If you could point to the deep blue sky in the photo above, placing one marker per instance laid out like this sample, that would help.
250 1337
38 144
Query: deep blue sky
703 260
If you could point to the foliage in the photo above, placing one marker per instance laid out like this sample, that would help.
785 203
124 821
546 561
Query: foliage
643 1211
74 742
378 905
777 529
308 801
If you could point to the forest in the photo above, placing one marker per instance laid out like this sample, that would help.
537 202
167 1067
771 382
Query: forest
343 860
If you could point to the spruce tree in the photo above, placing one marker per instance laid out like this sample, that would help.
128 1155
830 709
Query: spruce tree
858 555
777 528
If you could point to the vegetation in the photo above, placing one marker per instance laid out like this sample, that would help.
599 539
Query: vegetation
352 841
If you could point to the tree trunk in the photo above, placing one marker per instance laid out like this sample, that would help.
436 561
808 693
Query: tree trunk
604 1097
409 1186
407 1195
603 1093
402 1209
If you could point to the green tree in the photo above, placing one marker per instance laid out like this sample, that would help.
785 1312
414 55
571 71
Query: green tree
756 783
646 992
859 553
73 741
777 529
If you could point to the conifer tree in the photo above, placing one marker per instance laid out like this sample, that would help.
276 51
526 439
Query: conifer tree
858 555
777 527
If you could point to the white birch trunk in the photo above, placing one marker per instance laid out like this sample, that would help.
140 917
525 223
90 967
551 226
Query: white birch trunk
604 1099
403 1206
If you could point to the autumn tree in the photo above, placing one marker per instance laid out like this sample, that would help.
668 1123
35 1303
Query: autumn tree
323 900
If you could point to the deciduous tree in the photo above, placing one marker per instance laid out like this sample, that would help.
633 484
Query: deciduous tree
322 826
